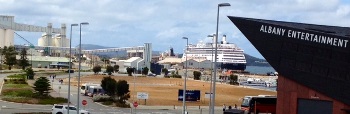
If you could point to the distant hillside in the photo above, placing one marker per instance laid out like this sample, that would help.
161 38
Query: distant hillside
253 61
91 46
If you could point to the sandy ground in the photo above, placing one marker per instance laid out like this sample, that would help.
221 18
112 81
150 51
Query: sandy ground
164 91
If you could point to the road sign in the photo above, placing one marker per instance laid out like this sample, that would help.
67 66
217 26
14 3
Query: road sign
208 94
84 102
135 104
142 95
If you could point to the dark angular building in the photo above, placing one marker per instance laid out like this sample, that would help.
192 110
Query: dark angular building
313 62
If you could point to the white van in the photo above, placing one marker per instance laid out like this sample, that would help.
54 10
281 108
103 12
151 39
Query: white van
93 90
85 87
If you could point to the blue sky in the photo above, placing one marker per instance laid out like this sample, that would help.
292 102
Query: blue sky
124 23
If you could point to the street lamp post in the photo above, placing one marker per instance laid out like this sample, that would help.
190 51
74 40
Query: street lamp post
70 62
211 70
216 53
184 91
78 102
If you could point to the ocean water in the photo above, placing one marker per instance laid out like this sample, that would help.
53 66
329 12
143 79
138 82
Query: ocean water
259 69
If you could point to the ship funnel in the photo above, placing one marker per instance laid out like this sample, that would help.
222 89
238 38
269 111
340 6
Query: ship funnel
214 39
224 39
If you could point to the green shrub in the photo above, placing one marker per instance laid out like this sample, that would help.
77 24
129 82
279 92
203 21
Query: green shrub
107 102
196 75
101 98
25 93
20 80
16 86
17 99
233 79
52 100
18 76
177 76
123 105
18 93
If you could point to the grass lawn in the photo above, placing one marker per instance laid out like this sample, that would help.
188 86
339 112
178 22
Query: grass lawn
17 91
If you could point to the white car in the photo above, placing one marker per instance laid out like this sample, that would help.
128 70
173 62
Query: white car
62 109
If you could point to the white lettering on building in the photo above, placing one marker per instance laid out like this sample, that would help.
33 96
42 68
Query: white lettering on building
304 36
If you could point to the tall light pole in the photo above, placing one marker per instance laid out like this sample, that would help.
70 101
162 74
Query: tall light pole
70 62
211 70
184 91
78 102
216 54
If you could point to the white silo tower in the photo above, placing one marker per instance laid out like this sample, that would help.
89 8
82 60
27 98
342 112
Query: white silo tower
43 40
66 42
2 37
6 37
56 41
63 35
9 35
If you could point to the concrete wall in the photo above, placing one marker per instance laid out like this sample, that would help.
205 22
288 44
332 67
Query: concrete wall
289 91
36 64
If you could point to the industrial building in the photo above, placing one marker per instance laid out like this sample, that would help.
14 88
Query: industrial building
312 61
53 46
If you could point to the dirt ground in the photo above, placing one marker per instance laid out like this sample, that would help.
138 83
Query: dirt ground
164 91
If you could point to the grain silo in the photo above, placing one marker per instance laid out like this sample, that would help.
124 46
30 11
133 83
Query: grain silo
2 37
43 40
56 41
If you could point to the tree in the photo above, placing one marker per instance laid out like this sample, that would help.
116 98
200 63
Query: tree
109 70
109 85
10 56
23 61
165 71
145 71
130 71
96 69
196 75
116 68
30 73
42 86
123 91
233 79
105 60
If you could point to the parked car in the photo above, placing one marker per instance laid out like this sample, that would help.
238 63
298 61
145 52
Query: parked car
62 109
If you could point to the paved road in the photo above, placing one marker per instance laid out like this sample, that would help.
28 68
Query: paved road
94 108
99 109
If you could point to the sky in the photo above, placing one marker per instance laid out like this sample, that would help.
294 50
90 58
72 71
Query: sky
127 23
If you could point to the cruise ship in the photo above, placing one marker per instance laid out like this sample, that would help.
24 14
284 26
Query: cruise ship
229 56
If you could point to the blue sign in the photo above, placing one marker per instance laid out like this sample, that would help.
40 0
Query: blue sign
191 95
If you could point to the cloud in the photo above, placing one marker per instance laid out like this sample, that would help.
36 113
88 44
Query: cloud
163 22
